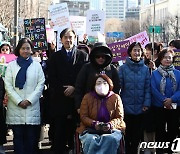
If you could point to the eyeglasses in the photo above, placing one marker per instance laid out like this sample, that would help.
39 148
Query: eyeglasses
100 56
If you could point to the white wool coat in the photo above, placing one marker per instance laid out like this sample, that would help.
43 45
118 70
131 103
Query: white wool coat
31 91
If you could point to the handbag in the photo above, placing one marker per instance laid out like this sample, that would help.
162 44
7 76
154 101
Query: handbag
91 130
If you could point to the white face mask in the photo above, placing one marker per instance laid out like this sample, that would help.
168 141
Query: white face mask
38 59
101 87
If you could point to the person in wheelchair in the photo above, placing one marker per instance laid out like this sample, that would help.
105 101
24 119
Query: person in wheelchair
101 115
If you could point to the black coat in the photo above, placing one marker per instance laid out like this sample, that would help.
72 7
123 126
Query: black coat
61 72
86 77
2 115
88 72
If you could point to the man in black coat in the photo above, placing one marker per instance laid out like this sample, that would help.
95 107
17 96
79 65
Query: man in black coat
64 66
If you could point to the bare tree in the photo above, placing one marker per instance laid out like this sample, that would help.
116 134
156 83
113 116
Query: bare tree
6 12
113 25
173 26
131 27
169 28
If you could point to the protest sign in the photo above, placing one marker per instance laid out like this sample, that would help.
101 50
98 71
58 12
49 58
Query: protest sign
35 30
140 37
177 59
95 22
78 24
4 60
50 35
59 15
119 50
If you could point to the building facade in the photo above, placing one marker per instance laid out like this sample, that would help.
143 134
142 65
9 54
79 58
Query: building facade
131 3
97 5
115 9
163 13
77 7
132 13
132 9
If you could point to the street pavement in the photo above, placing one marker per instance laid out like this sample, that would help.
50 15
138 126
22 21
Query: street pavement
44 145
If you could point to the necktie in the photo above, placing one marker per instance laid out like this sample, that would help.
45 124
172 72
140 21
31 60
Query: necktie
69 54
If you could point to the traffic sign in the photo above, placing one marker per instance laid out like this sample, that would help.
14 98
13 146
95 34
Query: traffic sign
109 34
157 29
115 34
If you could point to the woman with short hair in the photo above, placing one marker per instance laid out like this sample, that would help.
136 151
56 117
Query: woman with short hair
135 93
165 87
101 115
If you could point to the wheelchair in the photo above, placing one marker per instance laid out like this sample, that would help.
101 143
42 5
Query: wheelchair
79 150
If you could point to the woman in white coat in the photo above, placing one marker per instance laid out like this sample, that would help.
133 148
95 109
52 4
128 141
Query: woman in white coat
24 83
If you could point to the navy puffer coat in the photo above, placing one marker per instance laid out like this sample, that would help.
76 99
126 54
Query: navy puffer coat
135 86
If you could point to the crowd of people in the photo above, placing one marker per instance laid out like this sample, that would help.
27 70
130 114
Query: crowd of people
78 90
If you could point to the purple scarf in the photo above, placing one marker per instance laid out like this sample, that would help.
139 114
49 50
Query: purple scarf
103 113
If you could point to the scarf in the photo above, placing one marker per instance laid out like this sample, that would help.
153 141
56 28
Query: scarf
167 72
103 113
21 75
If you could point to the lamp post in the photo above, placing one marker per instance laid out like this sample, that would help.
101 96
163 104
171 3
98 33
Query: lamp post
177 32
163 31
38 8
16 6
153 30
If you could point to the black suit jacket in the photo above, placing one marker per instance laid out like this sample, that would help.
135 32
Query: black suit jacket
62 72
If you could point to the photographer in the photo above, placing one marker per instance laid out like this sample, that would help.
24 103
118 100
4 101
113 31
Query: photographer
101 112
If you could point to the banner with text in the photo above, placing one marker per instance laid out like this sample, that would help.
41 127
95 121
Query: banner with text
35 30
119 50
140 37
177 59
95 22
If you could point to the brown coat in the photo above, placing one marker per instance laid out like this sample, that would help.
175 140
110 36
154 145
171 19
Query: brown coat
90 106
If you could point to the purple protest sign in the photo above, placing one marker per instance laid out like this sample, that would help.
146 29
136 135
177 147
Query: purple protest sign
177 59
119 50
